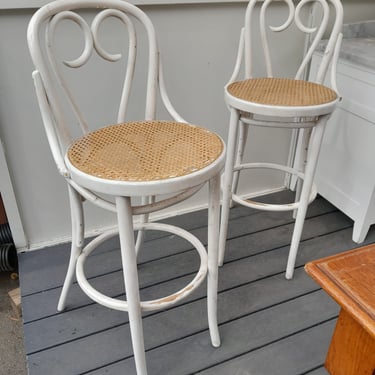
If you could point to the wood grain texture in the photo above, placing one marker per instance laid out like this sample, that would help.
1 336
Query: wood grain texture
349 278
352 349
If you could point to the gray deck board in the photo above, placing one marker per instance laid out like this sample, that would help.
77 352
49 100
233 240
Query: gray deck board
318 371
39 272
112 284
292 355
268 325
56 330
251 331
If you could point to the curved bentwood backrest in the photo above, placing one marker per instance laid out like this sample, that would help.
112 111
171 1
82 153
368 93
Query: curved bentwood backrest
54 91
327 25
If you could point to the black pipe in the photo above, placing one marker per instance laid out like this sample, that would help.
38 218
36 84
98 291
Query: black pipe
8 257
8 252
5 234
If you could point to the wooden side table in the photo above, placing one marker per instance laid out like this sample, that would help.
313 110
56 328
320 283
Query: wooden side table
349 278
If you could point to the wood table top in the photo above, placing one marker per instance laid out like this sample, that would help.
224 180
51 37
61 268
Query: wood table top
349 278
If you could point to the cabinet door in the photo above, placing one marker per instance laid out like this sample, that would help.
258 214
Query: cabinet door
345 173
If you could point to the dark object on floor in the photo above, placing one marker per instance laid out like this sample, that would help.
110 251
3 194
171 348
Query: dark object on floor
8 257
8 252
5 234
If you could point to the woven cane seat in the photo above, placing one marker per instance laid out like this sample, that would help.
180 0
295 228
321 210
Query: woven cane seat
145 151
281 92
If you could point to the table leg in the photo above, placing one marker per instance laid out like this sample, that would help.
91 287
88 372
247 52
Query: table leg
352 349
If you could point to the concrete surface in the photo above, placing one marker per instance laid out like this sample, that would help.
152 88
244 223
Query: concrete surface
12 355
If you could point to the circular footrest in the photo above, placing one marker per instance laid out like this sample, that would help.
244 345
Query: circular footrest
267 206
157 304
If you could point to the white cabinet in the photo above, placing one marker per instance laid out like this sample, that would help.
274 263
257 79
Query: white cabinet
345 174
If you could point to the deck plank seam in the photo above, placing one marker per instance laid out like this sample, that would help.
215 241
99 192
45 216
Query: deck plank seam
191 250
183 251
271 342
286 223
312 369
287 244
182 303
228 359
151 314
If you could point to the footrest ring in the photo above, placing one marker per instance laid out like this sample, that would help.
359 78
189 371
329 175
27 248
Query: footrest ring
267 206
157 304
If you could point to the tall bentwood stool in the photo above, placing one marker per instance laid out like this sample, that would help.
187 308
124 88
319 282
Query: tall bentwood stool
129 167
280 102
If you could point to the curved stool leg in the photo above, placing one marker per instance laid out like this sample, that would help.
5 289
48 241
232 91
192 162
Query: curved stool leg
243 133
228 182
144 219
314 148
212 248
77 218
305 139
129 263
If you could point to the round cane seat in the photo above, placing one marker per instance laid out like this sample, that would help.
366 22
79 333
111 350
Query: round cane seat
145 151
281 92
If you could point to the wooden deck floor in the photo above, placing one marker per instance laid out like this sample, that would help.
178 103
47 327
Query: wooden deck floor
268 325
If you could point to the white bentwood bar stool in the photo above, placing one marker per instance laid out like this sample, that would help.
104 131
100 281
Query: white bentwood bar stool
280 102
122 160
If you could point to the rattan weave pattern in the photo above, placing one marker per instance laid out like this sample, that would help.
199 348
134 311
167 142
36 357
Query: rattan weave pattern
145 151
281 92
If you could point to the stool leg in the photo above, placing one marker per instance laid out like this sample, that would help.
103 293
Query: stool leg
76 212
227 182
144 219
129 263
313 153
305 139
212 278
243 133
